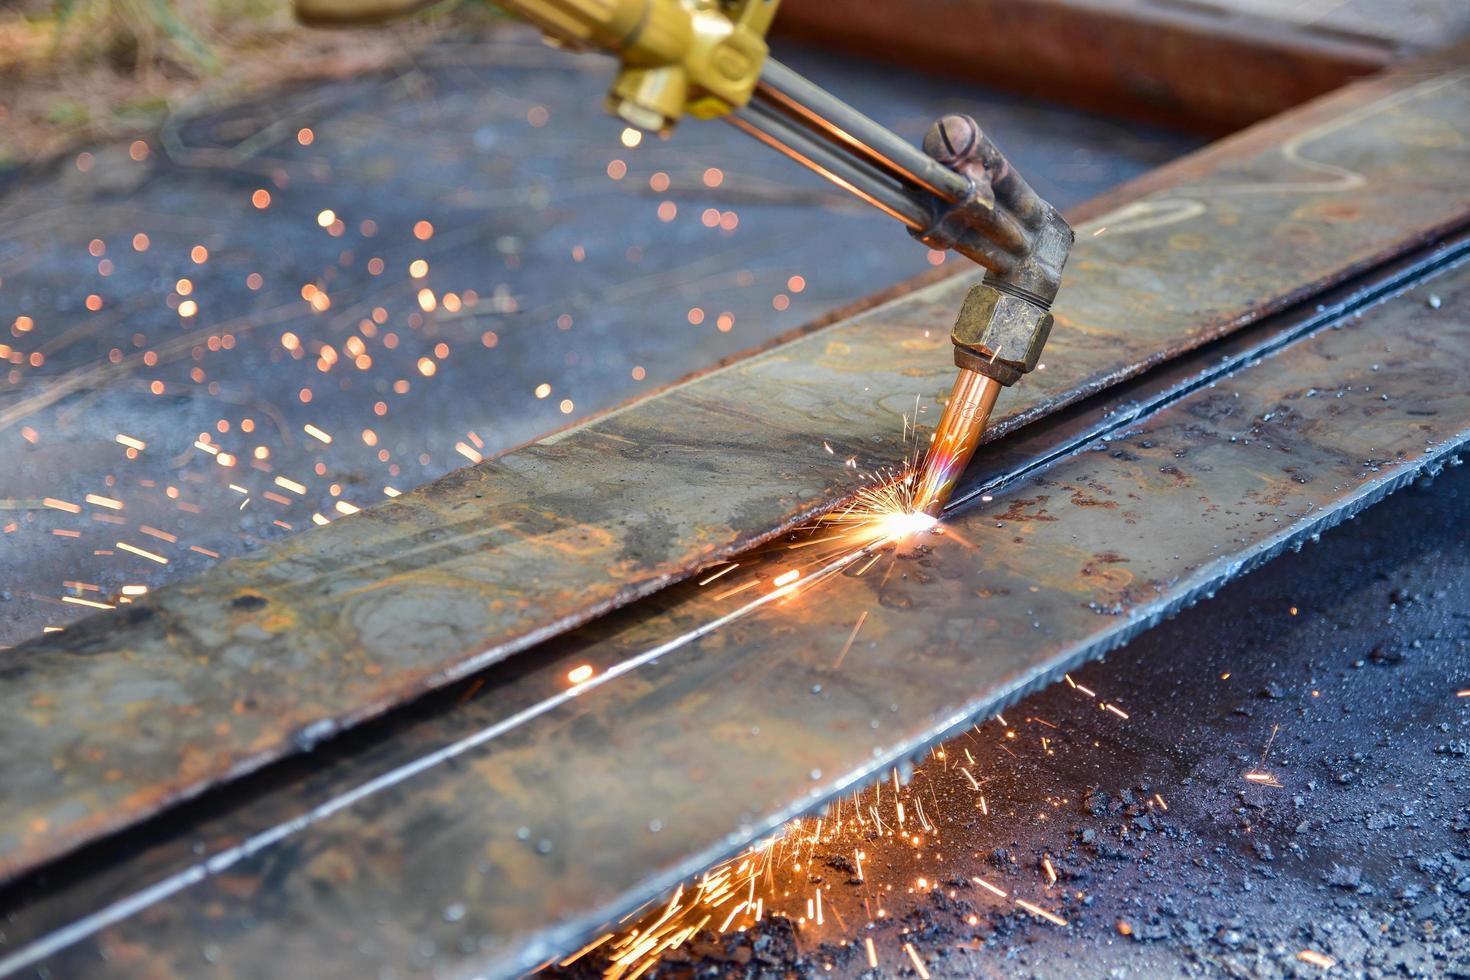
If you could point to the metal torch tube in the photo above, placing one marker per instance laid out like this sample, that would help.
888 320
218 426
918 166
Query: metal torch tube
955 439
803 146
839 122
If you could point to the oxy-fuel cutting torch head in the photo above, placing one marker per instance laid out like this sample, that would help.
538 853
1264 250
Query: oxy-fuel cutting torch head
1023 243
709 58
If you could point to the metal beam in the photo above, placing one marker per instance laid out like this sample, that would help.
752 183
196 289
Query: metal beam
126 713
488 834
1212 67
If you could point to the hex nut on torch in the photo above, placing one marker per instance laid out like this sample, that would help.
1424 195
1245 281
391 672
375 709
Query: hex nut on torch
999 335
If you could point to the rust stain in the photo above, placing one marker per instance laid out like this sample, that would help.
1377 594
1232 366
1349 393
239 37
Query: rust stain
607 765
331 627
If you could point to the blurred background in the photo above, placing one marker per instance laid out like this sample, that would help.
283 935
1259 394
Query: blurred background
84 69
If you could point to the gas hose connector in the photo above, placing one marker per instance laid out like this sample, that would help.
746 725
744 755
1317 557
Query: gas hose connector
1021 241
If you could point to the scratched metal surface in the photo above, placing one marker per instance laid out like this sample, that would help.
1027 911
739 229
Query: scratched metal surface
268 655
503 829
582 284
391 149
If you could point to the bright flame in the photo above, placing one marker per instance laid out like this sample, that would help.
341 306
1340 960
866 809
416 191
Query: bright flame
902 524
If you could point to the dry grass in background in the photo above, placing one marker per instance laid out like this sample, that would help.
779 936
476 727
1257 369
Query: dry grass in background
78 70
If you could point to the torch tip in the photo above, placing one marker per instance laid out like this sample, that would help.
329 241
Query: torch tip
955 440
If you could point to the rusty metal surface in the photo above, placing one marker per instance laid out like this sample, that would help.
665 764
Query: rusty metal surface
391 149
261 657
505 826
1214 66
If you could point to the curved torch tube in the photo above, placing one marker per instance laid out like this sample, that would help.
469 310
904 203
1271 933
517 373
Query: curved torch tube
955 440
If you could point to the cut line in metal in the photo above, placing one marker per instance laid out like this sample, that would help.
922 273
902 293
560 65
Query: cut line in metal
338 625
1290 444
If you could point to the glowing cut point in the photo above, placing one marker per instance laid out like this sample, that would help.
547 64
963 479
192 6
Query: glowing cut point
786 578
579 674
902 524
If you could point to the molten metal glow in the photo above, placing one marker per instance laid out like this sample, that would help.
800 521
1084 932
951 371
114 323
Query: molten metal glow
886 823
902 524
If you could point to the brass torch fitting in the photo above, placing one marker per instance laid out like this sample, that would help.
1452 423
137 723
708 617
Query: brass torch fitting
998 334
700 57
703 59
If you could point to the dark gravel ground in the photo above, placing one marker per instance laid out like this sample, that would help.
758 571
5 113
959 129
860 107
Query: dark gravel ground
1333 673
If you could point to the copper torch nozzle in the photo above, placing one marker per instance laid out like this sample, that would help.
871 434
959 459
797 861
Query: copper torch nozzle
955 439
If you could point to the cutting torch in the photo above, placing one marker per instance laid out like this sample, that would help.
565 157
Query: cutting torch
709 58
